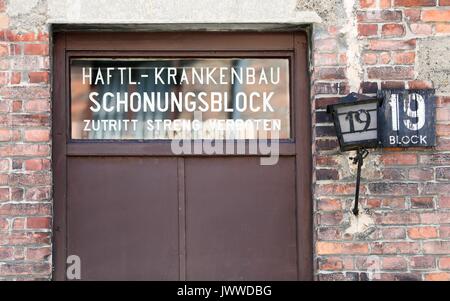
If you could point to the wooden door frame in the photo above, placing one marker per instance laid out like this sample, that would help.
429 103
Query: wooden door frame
167 44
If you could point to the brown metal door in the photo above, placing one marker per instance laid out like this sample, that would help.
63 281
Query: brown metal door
134 211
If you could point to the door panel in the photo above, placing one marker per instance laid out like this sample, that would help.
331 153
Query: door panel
240 219
123 217
132 210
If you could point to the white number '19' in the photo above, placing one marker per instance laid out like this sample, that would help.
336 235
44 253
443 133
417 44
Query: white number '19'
419 113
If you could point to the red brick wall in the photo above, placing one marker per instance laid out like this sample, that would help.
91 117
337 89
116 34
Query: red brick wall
406 191
25 147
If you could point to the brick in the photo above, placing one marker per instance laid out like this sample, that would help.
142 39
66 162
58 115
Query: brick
442 144
393 233
330 73
38 77
394 263
385 58
369 87
4 165
37 135
337 189
443 28
422 262
38 254
438 276
421 174
4 224
393 188
436 188
326 161
444 202
421 29
333 218
444 231
385 3
436 247
443 130
395 174
422 232
348 276
325 59
377 16
367 3
412 15
409 3
435 159
404 58
327 174
399 159
333 263
325 131
16 194
422 202
392 85
442 114
326 144
25 92
24 209
392 30
325 45
37 164
14 36
33 106
4 21
4 50
395 248
6 253
329 204
328 248
434 217
16 106
444 263
343 59
365 30
25 238
393 203
5 135
21 268
328 233
420 84
25 150
436 15
370 58
392 44
4 194
323 117
443 173
16 78
37 194
397 218
35 49
396 72
38 222
30 179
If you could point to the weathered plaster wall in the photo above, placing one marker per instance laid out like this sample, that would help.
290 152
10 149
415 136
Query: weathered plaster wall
361 45
432 65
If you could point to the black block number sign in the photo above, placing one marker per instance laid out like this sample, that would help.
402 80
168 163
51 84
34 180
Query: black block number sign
407 118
